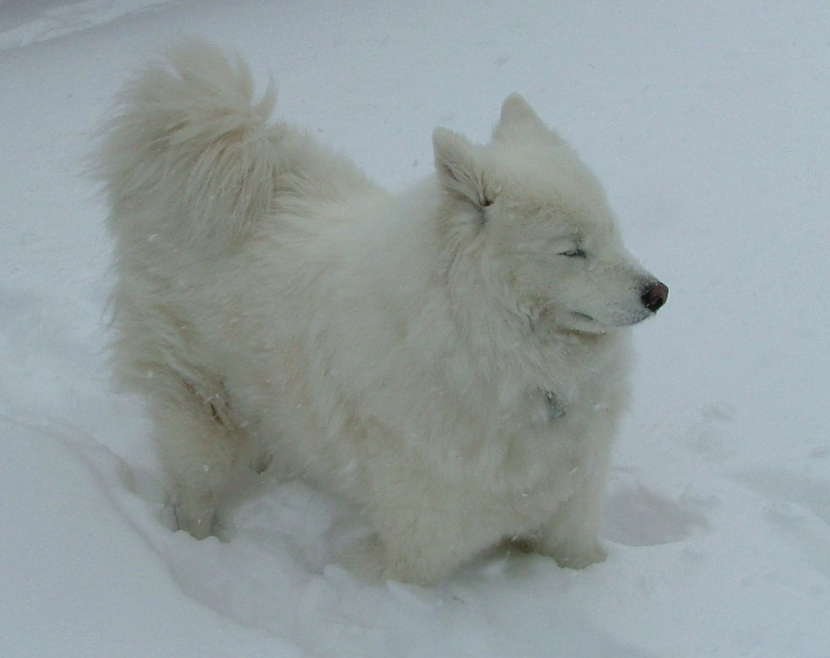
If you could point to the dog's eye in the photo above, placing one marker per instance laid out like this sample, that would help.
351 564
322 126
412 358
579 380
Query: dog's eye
574 253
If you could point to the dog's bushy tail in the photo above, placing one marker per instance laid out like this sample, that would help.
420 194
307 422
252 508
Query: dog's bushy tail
189 154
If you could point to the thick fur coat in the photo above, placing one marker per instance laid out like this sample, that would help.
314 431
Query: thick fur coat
455 359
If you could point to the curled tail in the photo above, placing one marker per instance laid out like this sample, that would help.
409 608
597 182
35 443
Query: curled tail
189 155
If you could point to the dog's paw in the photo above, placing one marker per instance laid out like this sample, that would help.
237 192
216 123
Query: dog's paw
193 518
572 557
364 559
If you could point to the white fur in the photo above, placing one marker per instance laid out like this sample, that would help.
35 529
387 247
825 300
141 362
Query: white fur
415 354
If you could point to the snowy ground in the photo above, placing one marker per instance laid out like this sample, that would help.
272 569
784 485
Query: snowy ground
709 124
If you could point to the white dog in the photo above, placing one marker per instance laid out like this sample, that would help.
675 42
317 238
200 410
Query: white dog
454 360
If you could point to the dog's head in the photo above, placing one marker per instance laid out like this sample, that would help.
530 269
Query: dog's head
537 223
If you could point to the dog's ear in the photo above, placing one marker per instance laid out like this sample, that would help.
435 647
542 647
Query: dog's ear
516 109
459 166
518 118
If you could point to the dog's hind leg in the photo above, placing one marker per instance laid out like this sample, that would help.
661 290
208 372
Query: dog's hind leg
199 448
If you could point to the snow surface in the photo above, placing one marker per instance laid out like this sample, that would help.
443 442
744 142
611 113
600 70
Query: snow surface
709 123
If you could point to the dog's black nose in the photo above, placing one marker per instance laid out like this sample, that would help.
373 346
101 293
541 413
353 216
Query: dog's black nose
655 295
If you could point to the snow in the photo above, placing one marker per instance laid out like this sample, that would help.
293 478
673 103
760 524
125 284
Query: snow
709 124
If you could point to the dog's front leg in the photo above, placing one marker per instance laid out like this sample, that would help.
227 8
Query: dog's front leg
571 536
422 534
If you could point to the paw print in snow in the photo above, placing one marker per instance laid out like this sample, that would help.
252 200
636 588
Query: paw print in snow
636 516
708 433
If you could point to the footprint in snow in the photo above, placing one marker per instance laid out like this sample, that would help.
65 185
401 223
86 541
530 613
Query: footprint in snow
636 516
799 507
708 434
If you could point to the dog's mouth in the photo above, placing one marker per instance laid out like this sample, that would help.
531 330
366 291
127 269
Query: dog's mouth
586 324
589 324
592 324
574 321
583 316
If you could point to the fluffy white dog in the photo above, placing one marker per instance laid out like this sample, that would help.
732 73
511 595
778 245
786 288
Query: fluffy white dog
454 360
